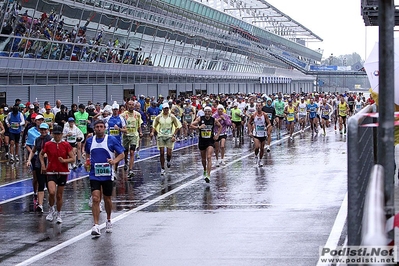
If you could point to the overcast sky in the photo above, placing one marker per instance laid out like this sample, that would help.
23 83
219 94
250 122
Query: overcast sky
338 22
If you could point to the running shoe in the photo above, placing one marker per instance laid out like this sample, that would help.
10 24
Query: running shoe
125 166
204 174
130 175
222 162
137 155
7 155
39 209
217 163
344 130
51 214
80 164
162 171
256 160
16 158
90 202
168 164
108 227
292 138
95 231
268 148
11 158
58 218
260 164
207 178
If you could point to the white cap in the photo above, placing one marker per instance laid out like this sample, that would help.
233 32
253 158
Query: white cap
108 108
115 106
207 109
235 104
220 106
39 117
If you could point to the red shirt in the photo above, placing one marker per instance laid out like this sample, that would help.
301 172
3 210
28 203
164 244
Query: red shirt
55 150
370 101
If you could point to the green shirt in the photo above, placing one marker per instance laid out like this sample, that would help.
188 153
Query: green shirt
81 121
236 115
279 106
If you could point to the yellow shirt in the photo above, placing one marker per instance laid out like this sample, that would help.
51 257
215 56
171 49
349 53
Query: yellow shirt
133 122
342 107
49 119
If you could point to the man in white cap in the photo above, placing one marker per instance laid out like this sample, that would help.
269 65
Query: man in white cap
206 140
167 126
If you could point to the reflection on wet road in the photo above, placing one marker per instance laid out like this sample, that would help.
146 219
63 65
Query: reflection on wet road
278 214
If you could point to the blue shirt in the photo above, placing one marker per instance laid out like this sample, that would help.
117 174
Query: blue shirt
33 133
153 112
115 120
312 108
101 155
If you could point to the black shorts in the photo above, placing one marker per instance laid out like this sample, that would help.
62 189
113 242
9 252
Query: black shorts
261 139
325 117
15 137
107 186
343 117
58 179
237 123
221 137
73 144
202 145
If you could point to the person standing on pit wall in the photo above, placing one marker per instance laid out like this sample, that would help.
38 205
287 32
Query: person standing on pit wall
59 154
166 125
206 140
100 158
15 120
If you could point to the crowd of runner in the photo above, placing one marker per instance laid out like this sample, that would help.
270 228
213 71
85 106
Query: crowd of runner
58 140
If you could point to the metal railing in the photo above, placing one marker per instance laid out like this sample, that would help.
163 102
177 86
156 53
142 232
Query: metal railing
374 219
361 157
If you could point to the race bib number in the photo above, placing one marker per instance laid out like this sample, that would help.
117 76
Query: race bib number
358 106
131 129
113 132
14 125
152 117
48 120
270 116
206 133
165 131
187 117
71 139
290 117
260 130
302 110
325 112
102 169
82 122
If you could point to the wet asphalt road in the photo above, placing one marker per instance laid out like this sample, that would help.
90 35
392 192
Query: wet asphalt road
279 214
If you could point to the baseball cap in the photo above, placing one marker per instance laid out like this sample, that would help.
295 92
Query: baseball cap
39 117
71 119
5 109
235 104
99 122
115 106
31 106
208 109
57 129
44 126
21 105
220 106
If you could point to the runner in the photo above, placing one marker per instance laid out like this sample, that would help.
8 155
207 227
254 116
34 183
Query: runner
188 117
236 114
152 112
312 109
32 134
302 113
100 157
116 126
15 120
220 143
271 113
59 154
74 136
82 120
290 111
34 162
259 123
325 110
279 106
343 111
165 126
132 135
359 104
206 140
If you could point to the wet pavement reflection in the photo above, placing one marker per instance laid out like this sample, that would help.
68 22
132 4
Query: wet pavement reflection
278 214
